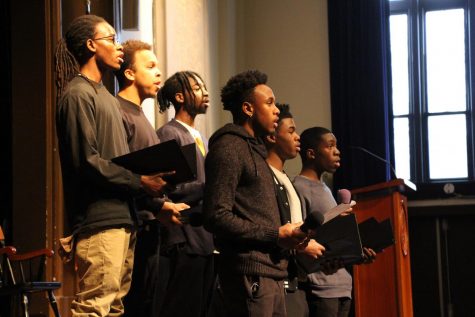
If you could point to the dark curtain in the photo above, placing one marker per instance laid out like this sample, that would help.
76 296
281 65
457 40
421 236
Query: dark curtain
6 121
360 89
6 133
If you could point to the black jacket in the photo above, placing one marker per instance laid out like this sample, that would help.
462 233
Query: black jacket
197 240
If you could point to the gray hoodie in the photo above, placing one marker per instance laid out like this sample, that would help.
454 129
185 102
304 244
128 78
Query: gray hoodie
240 205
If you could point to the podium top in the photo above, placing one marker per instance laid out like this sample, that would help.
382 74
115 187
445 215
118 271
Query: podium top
399 184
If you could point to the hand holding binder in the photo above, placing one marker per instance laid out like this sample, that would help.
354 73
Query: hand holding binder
163 157
341 240
344 240
155 185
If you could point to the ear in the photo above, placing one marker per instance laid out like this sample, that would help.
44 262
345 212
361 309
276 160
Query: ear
270 138
310 154
91 45
179 97
129 74
248 109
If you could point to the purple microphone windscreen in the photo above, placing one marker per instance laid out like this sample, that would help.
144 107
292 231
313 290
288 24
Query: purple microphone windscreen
343 196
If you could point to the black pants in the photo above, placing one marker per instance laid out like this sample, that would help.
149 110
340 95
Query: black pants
257 296
139 300
296 303
186 284
329 307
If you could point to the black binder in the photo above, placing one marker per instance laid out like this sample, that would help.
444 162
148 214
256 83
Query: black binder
162 157
376 235
344 239
341 239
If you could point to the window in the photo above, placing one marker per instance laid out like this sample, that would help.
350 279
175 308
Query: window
432 86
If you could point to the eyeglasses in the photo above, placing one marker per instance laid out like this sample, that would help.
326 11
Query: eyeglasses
109 38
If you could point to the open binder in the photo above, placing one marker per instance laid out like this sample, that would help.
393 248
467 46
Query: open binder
341 239
344 239
376 235
163 157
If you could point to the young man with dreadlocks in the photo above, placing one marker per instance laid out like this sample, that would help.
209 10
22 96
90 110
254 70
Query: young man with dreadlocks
240 204
187 250
98 194
139 79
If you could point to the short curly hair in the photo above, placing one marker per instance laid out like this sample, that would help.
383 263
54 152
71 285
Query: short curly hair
311 139
239 89
284 111
129 47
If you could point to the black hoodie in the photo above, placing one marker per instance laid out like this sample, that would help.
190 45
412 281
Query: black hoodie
240 205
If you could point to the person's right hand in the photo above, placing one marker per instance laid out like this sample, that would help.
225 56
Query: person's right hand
170 213
290 236
155 185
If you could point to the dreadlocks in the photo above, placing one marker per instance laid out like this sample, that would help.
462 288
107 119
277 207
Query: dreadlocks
177 83
71 51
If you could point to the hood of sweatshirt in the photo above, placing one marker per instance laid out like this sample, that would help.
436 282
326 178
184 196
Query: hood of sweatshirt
256 145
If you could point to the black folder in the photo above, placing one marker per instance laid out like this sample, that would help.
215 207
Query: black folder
162 157
341 239
376 235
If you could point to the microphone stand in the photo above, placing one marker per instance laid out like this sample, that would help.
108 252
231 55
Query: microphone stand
393 170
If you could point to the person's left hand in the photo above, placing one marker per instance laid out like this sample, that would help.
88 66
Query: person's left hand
369 256
170 213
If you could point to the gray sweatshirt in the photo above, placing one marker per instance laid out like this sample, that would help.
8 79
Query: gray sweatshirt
316 196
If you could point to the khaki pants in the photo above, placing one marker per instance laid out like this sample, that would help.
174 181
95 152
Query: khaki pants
104 262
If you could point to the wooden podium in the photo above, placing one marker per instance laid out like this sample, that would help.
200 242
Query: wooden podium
383 288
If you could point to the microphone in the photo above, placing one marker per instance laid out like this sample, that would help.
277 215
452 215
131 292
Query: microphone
343 196
312 221
360 148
